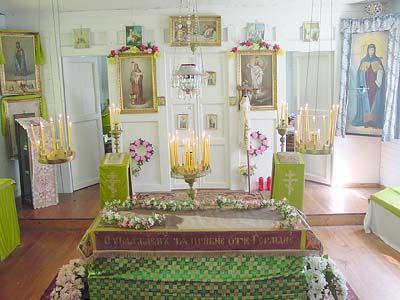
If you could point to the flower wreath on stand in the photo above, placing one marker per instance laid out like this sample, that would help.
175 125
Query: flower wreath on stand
141 151
257 135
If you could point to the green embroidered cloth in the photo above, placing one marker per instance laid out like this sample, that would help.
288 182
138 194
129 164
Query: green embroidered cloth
114 177
388 198
288 178
9 228
221 277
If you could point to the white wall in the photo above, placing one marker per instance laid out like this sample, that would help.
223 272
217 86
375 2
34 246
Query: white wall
284 20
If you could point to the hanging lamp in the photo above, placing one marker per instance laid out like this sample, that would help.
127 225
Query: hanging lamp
314 133
189 77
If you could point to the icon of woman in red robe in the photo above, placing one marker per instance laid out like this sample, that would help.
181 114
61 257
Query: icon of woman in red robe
370 91
136 80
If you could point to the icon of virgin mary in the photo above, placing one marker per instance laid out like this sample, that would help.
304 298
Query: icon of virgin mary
370 91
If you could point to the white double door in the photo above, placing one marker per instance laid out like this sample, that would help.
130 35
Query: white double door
212 104
82 96
318 168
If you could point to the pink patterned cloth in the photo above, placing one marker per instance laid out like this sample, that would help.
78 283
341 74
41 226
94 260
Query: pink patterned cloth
43 177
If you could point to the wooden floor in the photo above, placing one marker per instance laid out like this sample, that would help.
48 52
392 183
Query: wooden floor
371 267
319 199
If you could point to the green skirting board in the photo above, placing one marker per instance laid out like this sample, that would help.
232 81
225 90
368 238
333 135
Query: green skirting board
199 277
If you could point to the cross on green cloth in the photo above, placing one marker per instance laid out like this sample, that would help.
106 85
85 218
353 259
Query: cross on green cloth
114 177
288 178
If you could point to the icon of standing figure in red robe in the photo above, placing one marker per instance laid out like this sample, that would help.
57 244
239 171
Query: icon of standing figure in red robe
136 80
371 91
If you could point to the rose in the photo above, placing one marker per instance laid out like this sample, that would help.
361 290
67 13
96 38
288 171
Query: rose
132 147
248 43
137 158
261 137
234 49
254 135
264 43
145 143
258 152
262 148
112 53
251 151
142 47
149 148
154 49
137 142
265 142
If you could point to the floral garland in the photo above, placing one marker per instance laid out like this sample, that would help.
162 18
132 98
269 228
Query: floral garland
291 218
142 48
262 45
256 135
112 217
140 159
324 279
71 281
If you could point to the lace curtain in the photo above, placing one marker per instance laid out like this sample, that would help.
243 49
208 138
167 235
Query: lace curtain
391 24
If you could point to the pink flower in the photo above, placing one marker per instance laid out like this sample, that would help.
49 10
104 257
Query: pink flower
145 143
137 158
254 135
265 142
148 155
264 43
258 152
112 52
234 49
132 147
251 150
149 149
137 142
262 148
248 43
261 137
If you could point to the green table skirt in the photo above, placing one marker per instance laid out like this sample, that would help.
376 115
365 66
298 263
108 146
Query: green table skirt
9 227
221 277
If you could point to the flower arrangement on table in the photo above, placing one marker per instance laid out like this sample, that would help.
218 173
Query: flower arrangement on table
70 282
243 170
291 218
258 136
140 159
324 279
262 45
142 48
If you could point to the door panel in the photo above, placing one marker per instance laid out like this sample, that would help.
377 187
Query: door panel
82 95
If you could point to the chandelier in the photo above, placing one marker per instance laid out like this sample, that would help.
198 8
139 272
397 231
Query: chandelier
52 148
373 8
189 77
315 133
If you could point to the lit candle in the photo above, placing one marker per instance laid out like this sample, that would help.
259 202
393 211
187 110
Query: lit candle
314 131
307 125
61 132
69 134
42 137
53 134
35 140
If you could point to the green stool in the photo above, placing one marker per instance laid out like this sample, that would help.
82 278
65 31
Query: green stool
9 227
288 178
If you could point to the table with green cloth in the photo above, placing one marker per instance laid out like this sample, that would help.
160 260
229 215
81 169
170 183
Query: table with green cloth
288 178
115 177
200 254
9 227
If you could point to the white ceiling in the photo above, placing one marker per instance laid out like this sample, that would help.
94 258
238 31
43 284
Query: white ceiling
14 6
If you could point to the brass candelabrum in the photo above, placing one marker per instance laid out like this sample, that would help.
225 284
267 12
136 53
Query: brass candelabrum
190 177
282 131
116 134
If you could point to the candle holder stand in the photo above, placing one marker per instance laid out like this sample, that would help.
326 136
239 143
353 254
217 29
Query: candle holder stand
116 134
190 177
282 131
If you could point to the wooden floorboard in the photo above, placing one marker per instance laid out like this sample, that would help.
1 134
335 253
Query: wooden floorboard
371 267
318 199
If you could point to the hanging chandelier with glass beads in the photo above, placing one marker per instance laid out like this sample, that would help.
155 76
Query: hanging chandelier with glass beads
190 77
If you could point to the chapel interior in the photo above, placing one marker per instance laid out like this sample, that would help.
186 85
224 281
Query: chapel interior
199 149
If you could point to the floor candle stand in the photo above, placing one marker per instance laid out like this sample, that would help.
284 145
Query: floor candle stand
116 134
190 177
